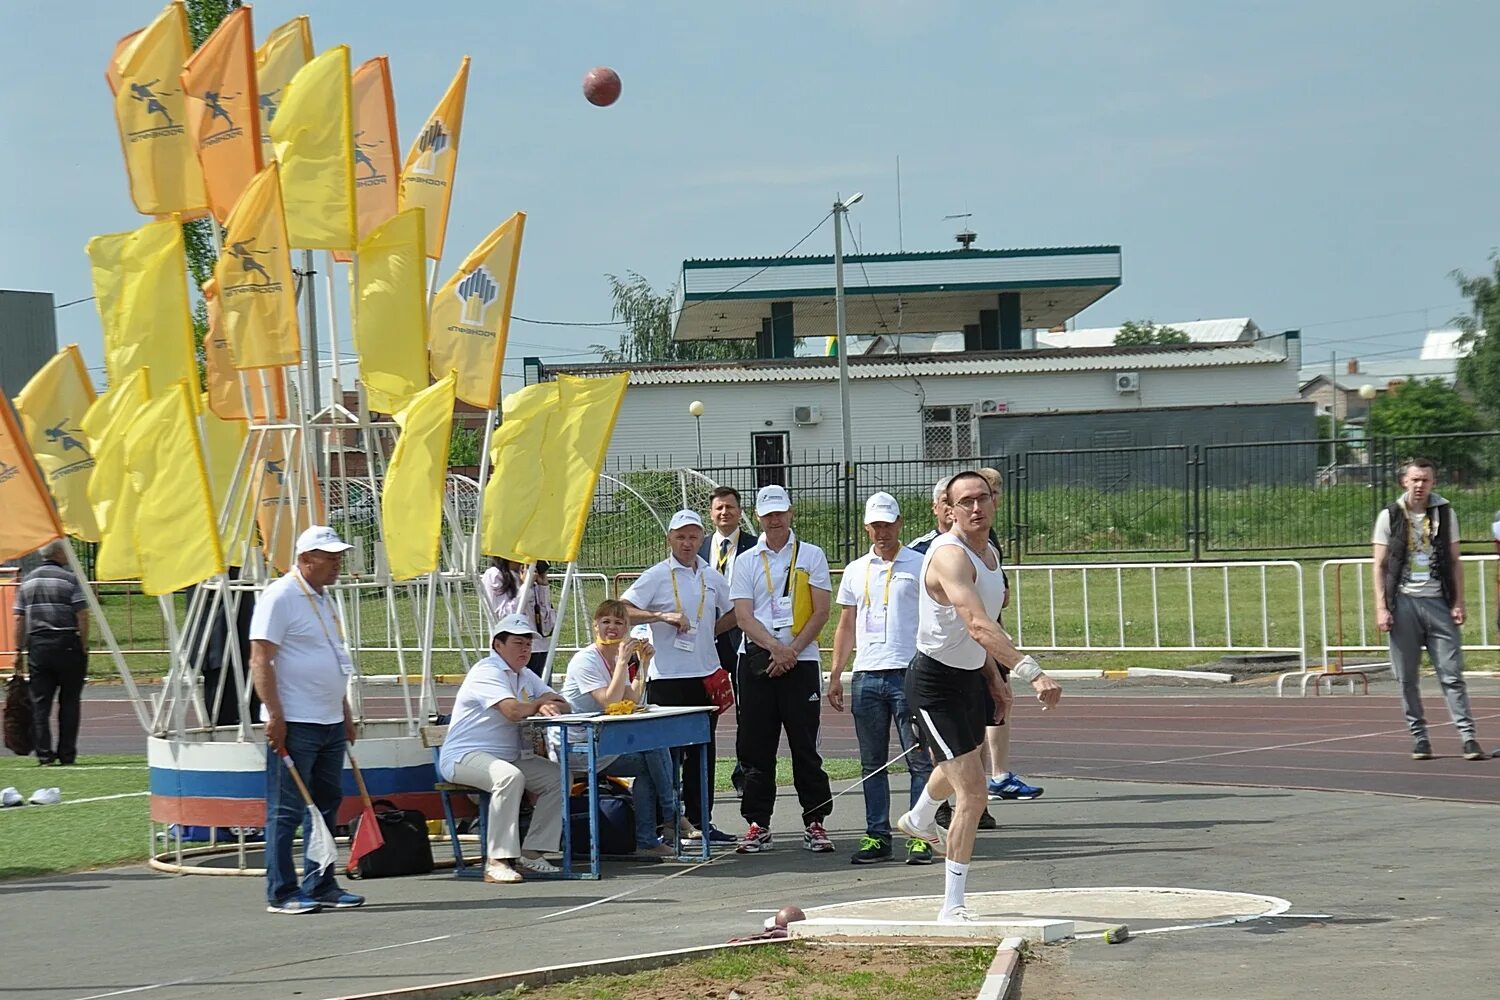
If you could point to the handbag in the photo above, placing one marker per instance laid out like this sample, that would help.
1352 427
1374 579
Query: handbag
720 690
802 607
407 849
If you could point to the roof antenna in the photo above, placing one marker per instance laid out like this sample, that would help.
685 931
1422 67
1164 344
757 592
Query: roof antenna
965 236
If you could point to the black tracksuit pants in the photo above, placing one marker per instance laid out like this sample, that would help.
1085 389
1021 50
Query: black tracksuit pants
767 706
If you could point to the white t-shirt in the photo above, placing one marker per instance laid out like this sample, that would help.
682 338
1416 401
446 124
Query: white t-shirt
751 583
702 595
477 725
884 598
312 662
587 672
538 608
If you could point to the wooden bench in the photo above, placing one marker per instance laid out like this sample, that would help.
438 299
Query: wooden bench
432 738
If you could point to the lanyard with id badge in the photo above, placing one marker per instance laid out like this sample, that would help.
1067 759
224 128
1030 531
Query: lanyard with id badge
781 604
687 640
340 647
875 617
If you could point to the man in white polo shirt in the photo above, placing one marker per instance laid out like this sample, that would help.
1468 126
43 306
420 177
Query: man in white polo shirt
489 746
878 620
301 667
687 604
780 683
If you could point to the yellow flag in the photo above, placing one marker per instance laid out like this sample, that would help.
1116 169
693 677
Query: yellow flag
256 295
546 456
471 315
113 71
225 442
151 112
427 177
30 520
176 533
411 502
285 50
140 289
114 502
313 135
223 379
282 472
52 407
377 169
223 118
390 319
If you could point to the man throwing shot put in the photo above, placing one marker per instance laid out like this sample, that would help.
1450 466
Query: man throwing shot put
957 634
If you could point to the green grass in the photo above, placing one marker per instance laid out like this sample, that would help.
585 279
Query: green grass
783 972
44 840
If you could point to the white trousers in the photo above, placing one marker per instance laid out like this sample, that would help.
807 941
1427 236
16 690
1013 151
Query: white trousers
507 780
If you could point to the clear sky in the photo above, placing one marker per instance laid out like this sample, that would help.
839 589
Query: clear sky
1321 165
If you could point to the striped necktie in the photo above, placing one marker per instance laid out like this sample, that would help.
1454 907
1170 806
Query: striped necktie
722 562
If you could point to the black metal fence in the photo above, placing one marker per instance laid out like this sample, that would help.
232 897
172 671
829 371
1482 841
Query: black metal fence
1176 501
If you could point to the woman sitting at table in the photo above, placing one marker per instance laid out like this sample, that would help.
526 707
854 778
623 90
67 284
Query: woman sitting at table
613 669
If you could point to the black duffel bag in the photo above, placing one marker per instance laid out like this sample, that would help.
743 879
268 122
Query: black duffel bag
407 849
616 818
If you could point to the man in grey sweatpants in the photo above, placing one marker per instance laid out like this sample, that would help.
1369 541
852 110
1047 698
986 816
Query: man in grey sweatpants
1419 601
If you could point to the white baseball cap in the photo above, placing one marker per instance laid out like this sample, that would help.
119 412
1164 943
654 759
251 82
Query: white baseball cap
320 538
940 487
513 625
684 518
771 499
882 508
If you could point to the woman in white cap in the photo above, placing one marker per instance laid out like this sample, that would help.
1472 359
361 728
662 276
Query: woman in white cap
490 746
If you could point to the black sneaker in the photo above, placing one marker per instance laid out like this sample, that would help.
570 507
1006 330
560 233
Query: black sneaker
944 816
986 821
1472 751
1422 750
871 851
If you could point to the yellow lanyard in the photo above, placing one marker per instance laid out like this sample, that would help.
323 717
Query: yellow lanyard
889 574
786 586
338 625
702 594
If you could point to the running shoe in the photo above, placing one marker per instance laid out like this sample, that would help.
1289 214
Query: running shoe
918 852
871 850
1013 788
755 840
815 839
957 915
908 825
295 904
1472 751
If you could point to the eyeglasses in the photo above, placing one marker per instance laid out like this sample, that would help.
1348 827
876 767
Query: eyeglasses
973 503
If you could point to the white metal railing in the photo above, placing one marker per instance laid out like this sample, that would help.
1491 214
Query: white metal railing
1218 607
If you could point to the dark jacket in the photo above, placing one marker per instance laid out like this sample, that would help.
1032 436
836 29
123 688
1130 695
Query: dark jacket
728 644
1395 552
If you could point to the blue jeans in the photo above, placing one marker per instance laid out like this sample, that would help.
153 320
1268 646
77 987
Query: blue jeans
877 699
317 751
651 791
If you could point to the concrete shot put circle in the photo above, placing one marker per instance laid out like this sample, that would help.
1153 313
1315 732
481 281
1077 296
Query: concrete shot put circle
1041 915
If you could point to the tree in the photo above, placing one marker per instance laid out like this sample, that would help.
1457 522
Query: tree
463 447
1337 431
647 337
1415 412
1144 333
1479 371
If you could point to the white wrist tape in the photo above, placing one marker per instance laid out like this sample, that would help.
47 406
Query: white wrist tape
1028 669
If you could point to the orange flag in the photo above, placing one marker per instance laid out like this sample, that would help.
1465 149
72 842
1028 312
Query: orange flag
427 177
30 519
223 118
377 167
223 379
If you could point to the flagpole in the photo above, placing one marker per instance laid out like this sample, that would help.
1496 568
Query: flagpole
96 613
562 603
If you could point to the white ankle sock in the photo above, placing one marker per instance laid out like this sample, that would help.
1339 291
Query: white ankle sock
925 811
1003 777
953 887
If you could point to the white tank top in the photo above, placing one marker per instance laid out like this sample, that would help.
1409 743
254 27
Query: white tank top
940 632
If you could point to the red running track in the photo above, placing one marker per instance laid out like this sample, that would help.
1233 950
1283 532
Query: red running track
1331 743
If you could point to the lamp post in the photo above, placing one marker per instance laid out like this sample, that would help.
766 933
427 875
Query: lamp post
696 409
840 210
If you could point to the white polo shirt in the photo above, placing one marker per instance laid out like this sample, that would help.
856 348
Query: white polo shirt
751 582
702 595
477 725
312 661
884 596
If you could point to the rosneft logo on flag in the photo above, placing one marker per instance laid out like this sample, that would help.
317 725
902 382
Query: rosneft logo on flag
430 146
477 292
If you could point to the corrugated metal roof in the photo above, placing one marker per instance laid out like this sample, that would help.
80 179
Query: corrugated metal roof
849 259
986 363
1200 331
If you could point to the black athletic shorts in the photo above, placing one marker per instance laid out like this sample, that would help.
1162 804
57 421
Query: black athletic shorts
948 704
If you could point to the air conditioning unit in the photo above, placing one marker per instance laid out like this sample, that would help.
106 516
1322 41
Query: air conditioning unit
990 407
804 415
1127 382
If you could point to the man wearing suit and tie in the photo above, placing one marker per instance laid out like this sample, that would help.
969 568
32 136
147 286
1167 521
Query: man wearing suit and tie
720 550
